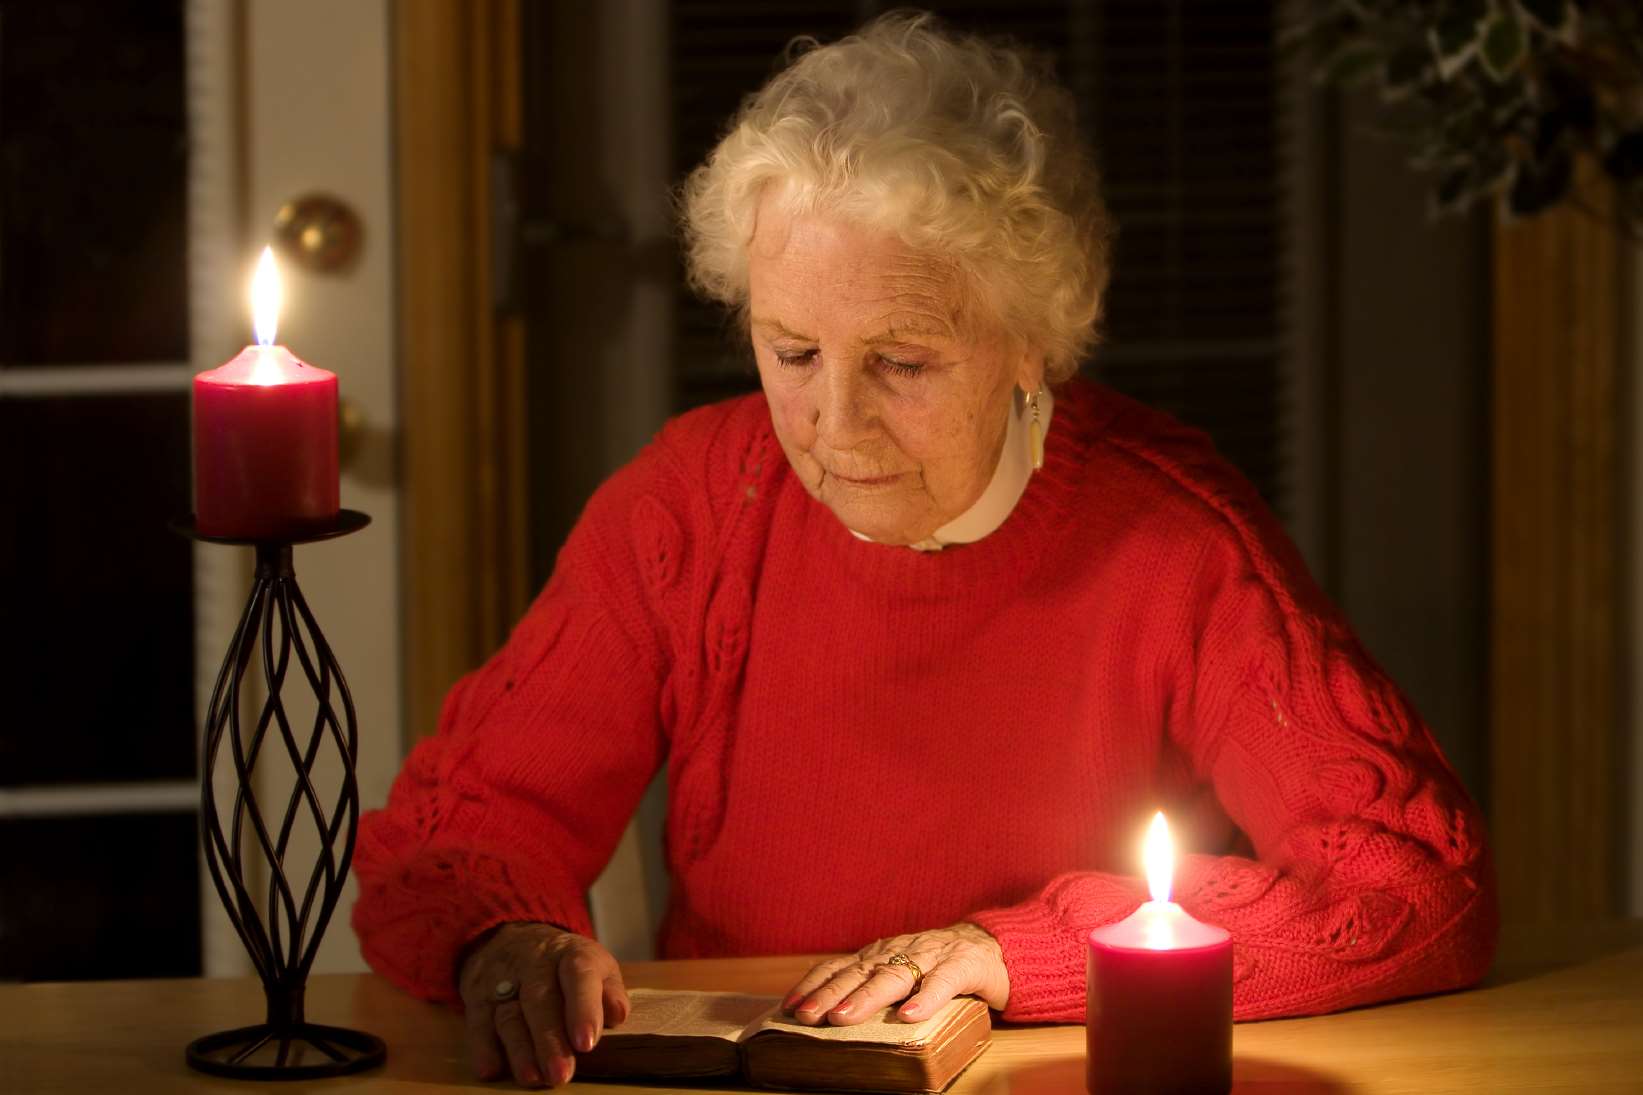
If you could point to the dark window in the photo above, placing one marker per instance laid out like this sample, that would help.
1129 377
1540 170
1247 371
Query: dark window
97 654
91 898
97 659
93 182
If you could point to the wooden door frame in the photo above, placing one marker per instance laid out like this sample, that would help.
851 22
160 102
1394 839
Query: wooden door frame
462 455
1557 792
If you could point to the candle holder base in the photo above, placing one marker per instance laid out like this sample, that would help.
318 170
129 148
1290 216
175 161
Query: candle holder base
285 756
312 532
306 1051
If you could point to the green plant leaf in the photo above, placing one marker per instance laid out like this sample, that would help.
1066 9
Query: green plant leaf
1631 208
1538 186
1450 64
1322 37
1405 70
1458 29
1513 102
1504 45
1315 25
1431 149
1557 18
1452 186
1454 193
1565 91
1349 65
1493 169
1624 160
1465 127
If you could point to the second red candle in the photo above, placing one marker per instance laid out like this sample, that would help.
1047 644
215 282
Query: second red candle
1158 1017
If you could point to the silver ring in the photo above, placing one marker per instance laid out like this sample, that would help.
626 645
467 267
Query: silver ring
505 991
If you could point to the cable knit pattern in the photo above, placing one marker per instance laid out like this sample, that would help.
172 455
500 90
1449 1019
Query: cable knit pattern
863 740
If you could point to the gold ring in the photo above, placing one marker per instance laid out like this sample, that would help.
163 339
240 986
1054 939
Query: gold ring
912 966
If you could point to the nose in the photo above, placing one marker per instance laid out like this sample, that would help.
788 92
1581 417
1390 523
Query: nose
844 413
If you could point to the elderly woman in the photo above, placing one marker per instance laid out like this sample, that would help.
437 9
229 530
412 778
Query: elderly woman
923 632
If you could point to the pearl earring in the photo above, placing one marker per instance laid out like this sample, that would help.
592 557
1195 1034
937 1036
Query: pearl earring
1035 433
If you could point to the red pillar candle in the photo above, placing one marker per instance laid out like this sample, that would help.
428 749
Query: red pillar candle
265 435
1159 1010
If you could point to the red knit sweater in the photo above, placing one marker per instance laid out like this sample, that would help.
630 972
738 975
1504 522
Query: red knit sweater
863 739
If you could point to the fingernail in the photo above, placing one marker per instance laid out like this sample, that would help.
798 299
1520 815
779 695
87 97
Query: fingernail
792 998
842 1009
561 1072
584 1037
531 1077
911 1010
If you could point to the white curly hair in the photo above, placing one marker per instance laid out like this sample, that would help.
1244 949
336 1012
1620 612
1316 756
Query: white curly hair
965 147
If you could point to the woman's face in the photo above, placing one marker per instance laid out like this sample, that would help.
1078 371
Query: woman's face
890 408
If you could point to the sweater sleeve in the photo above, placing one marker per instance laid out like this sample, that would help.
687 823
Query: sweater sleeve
512 808
1371 879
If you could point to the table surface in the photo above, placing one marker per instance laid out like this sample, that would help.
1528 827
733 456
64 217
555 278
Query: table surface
1563 1011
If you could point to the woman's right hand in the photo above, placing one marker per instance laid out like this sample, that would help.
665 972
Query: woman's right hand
570 989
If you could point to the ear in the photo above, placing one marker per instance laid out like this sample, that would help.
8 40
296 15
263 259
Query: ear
1029 375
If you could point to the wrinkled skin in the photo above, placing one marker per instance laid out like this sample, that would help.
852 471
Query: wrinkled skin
960 960
570 990
888 396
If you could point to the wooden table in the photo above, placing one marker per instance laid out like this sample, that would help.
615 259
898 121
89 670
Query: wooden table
1562 1012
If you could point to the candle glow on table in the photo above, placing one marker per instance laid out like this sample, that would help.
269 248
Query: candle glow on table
265 434
1159 1009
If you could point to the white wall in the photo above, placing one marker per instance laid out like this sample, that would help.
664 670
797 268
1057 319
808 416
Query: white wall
320 119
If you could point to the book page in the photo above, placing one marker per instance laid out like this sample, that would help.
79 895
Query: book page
724 1015
882 1028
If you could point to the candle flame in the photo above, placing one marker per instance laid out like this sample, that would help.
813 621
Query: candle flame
1158 854
266 296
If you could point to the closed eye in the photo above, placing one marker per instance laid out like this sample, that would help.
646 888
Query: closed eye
796 360
804 358
901 368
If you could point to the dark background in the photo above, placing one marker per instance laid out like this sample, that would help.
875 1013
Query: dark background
1276 282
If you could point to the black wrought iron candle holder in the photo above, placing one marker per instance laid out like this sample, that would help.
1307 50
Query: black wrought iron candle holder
278 628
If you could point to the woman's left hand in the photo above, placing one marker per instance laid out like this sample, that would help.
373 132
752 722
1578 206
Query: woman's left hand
953 961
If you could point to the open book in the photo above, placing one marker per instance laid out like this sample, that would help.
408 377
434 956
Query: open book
699 1035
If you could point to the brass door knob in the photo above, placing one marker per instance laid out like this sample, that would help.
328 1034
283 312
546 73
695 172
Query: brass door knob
318 232
350 431
365 449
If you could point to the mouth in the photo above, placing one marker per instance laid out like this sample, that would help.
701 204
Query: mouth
875 481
